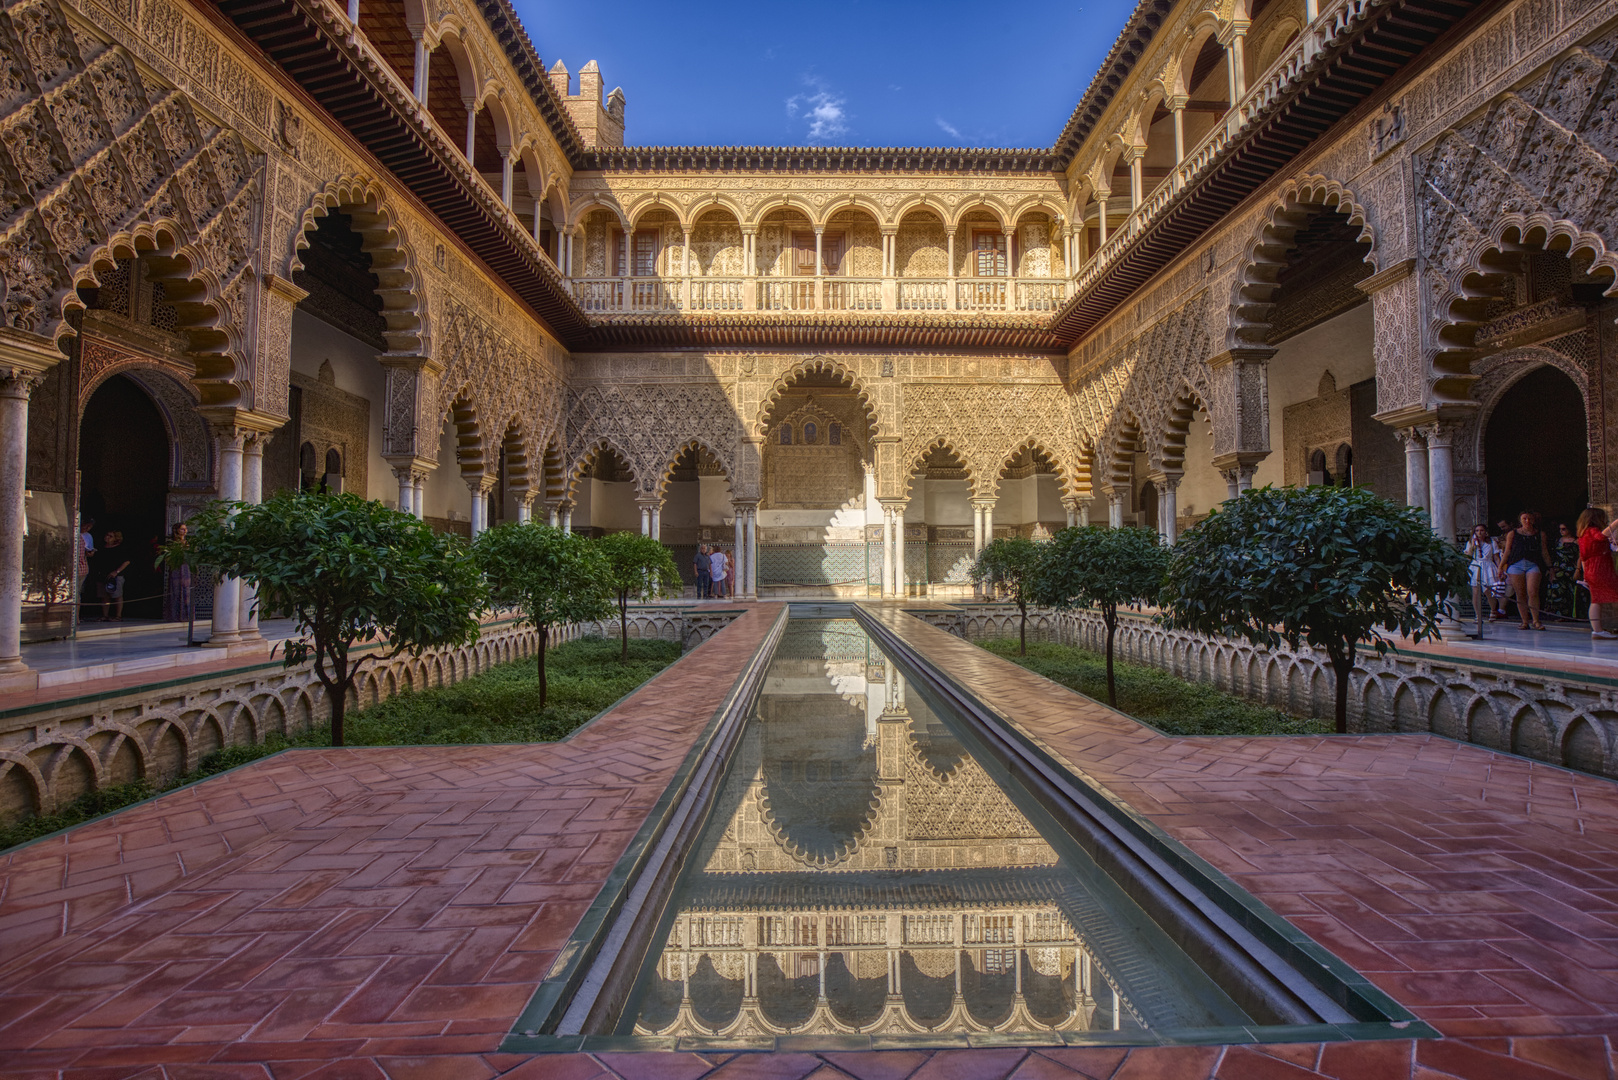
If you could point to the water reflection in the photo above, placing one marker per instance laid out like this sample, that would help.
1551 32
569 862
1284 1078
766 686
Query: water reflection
864 873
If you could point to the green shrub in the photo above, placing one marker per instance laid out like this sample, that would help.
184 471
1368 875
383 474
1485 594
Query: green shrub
498 706
1154 696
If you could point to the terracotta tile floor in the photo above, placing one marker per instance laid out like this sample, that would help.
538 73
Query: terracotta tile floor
372 912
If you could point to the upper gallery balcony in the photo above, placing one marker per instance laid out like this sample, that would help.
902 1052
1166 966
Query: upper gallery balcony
848 262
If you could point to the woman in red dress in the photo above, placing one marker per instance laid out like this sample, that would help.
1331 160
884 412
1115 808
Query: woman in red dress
1595 555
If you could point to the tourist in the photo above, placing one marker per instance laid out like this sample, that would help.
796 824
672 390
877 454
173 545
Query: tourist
1561 594
1595 557
1525 562
1485 574
177 598
703 566
718 568
87 548
107 567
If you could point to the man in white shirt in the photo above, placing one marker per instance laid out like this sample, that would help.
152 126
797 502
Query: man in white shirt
718 562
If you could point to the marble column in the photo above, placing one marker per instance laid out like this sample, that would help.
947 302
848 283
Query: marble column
1072 509
407 490
1084 513
16 384
228 592
252 495
900 585
1115 510
752 553
1415 466
554 510
480 508
1441 477
525 509
1171 509
657 521
645 520
418 496
567 515
738 572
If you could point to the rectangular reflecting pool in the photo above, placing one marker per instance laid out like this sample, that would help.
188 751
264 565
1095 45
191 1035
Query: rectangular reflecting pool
868 870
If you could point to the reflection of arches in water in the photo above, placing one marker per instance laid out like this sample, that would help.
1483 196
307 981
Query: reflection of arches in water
988 983
929 996
856 1001
787 998
124 462
716 998
820 776
1048 993
661 1004
1535 448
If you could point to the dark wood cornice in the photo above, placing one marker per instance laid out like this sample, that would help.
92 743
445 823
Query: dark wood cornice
809 330
1144 23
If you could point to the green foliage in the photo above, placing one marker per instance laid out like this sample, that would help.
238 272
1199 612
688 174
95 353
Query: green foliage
350 572
585 677
1012 563
633 565
1103 568
548 575
1328 567
496 706
1154 696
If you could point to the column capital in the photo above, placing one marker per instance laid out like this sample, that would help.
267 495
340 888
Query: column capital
408 466
23 354
412 363
1232 30
480 483
229 421
1240 460
1251 355
1383 278
283 289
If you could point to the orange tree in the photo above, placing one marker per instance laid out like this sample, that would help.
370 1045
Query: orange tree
351 573
1329 567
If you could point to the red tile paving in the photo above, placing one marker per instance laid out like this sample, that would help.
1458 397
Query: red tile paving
388 912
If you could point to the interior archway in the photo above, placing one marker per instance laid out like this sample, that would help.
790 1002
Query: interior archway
124 459
1536 450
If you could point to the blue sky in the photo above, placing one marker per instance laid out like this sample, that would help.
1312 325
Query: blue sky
836 72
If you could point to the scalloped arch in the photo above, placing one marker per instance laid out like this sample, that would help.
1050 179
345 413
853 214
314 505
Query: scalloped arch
1459 314
943 442
592 449
393 259
788 379
695 443
214 341
1264 256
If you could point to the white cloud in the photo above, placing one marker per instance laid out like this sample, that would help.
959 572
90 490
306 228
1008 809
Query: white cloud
828 120
947 128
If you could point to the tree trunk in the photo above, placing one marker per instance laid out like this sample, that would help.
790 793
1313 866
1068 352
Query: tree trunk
1022 639
337 697
1342 667
1109 616
544 639
623 627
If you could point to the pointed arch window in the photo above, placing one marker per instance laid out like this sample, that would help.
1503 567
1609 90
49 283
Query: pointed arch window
786 434
809 433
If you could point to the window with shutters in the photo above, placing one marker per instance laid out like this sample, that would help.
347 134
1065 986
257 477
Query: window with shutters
645 250
988 254
803 254
832 248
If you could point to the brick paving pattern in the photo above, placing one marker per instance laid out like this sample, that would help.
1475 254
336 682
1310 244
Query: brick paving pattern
362 913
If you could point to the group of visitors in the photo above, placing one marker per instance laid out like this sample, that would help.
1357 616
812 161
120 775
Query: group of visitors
1522 563
104 566
715 571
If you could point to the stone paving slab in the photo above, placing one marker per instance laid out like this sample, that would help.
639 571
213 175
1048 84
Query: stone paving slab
370 913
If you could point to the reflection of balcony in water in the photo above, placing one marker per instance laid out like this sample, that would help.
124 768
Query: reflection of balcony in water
863 873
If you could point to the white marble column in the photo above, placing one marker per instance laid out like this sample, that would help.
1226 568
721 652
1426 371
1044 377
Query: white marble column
988 522
418 496
480 508
752 553
407 491
525 510
1415 466
567 515
738 552
424 60
900 585
1115 509
645 520
657 521
977 529
554 520
887 551
1084 513
16 385
1171 509
471 130
228 592
252 495
1231 490
1441 478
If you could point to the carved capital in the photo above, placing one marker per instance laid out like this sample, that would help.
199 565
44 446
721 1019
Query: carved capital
1383 278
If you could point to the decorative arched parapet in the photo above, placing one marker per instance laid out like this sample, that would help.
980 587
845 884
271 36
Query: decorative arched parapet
1528 172
649 423
369 204
1264 256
